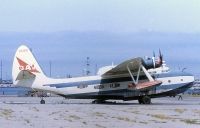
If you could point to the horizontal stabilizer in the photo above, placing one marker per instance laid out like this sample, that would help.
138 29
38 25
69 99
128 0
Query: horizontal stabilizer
24 74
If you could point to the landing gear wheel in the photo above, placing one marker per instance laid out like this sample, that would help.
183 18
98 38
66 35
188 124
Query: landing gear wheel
42 101
146 100
98 102
94 102
140 101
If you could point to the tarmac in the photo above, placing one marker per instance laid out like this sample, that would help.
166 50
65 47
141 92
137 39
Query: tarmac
27 112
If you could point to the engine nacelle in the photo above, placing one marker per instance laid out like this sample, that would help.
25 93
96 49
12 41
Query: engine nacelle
152 63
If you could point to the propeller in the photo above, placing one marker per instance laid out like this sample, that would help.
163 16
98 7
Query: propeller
153 58
159 61
160 58
154 55
154 62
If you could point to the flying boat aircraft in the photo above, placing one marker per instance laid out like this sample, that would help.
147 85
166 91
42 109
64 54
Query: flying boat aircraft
134 79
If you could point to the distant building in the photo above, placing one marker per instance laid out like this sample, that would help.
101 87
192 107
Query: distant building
8 89
6 83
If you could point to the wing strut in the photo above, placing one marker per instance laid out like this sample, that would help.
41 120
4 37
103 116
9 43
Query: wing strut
147 74
138 74
133 79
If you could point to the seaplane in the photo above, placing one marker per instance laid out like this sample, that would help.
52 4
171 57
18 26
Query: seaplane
134 79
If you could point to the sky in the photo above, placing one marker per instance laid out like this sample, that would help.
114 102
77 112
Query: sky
66 32
100 15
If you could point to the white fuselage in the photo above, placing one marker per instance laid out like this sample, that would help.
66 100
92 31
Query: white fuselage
96 84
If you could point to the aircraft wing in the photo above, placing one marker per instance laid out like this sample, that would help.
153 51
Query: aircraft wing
133 64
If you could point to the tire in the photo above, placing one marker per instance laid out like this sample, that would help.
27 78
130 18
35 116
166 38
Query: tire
42 102
140 101
146 100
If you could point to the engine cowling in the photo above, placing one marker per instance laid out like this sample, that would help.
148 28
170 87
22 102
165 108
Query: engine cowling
153 62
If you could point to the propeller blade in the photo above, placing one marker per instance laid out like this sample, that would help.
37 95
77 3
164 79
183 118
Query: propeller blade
160 57
154 55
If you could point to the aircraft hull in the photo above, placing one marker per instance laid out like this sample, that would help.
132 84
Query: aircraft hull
126 94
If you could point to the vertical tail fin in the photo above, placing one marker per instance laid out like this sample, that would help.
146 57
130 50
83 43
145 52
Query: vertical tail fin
25 67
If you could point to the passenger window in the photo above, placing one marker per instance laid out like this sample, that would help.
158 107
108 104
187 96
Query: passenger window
169 81
181 79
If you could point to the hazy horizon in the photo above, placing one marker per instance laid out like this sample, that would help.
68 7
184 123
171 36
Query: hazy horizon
68 50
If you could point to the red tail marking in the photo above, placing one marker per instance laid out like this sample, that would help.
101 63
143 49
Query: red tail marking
24 66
